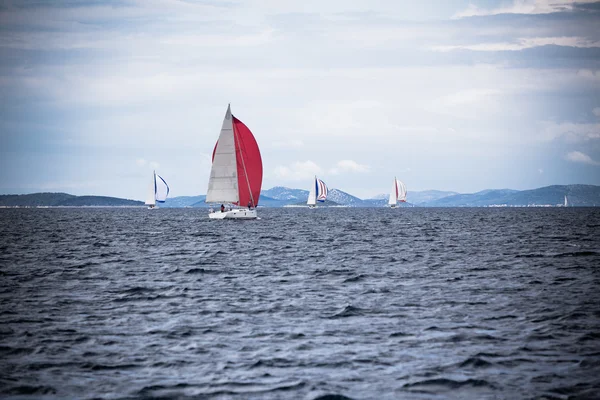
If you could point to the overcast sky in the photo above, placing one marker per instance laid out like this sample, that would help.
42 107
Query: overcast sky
450 95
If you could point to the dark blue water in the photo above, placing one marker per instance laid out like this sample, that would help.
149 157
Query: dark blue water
362 303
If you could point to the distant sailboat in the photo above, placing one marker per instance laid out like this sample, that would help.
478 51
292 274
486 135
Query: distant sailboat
397 194
158 191
318 192
566 202
236 173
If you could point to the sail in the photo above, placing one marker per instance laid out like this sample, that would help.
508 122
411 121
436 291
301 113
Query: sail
150 198
393 193
401 191
566 202
321 188
236 173
312 195
161 189
249 164
223 181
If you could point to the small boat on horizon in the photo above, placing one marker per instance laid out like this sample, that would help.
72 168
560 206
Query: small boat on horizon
398 193
236 172
318 192
158 191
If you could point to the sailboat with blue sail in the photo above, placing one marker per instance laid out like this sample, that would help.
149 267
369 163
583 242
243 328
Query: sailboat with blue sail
318 193
158 190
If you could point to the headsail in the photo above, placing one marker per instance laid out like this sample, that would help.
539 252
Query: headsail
161 189
321 188
401 191
318 192
236 173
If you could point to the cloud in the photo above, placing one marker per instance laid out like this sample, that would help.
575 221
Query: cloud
596 111
589 74
522 7
540 171
142 163
348 166
288 144
579 157
298 171
525 43
572 132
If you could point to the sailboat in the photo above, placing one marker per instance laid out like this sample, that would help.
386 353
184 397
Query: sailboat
236 172
318 192
566 202
158 190
398 193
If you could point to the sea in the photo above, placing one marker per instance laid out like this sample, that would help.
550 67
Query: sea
330 303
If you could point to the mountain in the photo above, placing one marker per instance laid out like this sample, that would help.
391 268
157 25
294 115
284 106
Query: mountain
427 196
64 200
182 201
479 199
285 194
343 198
99 201
34 199
578 196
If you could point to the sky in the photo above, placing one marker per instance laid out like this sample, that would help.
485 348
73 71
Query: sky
448 95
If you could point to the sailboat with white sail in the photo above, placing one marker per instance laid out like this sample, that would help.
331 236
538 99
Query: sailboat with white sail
398 193
236 172
158 190
566 202
318 192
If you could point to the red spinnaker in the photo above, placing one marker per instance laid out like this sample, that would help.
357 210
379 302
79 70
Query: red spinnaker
248 156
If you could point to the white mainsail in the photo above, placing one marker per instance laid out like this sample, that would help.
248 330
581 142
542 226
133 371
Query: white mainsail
393 194
151 198
223 182
312 195
566 202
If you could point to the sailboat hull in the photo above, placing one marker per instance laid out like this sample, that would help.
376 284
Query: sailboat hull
236 213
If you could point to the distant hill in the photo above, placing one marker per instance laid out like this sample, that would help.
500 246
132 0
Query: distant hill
577 195
285 194
427 196
99 201
63 200
34 199
182 201
479 199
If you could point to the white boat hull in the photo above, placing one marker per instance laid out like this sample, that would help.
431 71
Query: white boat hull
236 213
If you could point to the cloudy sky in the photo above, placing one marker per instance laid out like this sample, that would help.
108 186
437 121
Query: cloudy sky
450 95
